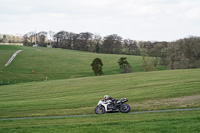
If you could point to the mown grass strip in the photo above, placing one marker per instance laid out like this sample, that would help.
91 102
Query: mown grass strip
137 112
184 121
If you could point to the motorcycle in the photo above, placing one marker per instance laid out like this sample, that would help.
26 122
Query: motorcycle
109 106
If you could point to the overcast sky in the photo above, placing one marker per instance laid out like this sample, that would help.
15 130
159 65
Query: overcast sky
161 20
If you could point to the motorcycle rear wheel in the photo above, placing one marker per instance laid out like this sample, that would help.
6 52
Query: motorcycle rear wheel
100 110
124 108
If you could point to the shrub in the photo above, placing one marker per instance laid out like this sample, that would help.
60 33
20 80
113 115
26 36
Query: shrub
97 66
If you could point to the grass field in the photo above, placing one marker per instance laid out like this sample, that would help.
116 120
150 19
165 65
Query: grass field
177 122
56 64
145 91
72 89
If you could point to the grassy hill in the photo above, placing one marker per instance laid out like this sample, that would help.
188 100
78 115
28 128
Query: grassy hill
72 89
145 91
57 64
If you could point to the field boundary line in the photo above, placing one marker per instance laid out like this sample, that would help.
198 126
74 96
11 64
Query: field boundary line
137 112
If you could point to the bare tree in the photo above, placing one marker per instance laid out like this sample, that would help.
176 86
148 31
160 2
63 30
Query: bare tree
60 39
29 38
42 38
51 34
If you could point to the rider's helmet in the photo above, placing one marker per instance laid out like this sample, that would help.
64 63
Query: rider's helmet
106 97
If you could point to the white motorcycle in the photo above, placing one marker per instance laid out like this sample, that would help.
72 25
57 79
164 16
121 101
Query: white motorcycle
108 106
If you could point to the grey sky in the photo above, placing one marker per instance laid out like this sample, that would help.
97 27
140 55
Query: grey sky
162 20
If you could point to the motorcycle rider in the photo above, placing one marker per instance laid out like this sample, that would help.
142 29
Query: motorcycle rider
113 101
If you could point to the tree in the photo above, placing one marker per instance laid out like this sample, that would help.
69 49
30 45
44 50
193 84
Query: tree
184 53
146 64
95 43
191 50
29 38
42 38
70 40
97 66
97 47
174 57
61 39
122 62
127 69
75 41
112 44
158 52
85 39
130 47
5 39
124 65
51 34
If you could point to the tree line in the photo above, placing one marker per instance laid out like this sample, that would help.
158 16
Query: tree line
4 38
179 54
85 41
39 38
182 53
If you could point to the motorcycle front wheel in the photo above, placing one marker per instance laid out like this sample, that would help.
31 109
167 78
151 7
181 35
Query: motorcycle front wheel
124 108
100 110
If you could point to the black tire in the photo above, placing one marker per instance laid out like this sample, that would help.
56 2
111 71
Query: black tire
100 110
124 108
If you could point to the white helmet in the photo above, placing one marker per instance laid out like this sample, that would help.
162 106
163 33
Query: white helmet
106 96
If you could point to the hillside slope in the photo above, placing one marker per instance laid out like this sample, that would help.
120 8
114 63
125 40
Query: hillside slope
54 64
145 91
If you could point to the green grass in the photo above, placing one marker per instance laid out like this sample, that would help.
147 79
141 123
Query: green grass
80 95
57 64
178 122
72 89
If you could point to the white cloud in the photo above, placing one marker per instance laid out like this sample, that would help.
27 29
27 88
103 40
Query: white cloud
193 14
136 19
